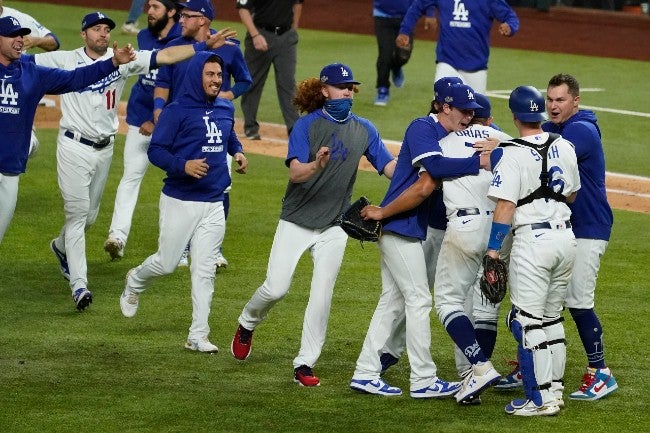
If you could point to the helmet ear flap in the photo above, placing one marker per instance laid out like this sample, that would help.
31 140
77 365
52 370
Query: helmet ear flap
528 104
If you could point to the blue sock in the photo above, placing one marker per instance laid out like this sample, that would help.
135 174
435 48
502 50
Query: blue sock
460 330
591 334
486 335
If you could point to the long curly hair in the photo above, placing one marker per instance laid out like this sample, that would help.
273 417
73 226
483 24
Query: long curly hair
309 96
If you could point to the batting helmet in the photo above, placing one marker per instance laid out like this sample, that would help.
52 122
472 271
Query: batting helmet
528 104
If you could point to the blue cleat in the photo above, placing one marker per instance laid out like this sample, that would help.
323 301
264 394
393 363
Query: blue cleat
596 384
82 298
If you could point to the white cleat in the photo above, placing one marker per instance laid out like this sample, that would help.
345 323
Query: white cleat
201 345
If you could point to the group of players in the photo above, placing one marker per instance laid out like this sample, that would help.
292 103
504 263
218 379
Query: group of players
480 209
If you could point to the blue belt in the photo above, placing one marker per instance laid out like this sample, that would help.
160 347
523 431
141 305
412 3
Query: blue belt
96 145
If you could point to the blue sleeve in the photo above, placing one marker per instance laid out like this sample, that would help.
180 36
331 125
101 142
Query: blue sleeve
234 145
377 153
163 77
415 11
441 166
159 151
298 142
241 75
504 13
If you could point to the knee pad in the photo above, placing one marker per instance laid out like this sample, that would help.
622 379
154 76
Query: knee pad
533 353
556 340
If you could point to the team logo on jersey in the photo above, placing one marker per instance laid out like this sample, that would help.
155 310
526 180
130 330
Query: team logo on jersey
212 132
338 151
8 98
101 85
533 106
460 15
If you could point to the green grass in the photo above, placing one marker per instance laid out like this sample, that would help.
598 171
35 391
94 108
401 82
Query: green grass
96 371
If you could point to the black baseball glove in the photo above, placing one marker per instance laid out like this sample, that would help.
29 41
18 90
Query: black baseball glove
355 226
494 279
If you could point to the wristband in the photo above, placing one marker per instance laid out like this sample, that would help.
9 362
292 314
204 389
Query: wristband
200 46
497 235
158 103
256 35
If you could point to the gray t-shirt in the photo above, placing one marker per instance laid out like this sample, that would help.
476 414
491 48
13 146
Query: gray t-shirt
315 204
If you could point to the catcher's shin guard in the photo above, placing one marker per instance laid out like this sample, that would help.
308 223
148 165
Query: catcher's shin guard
555 337
534 356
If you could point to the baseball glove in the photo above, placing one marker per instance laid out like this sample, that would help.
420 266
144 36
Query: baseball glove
494 279
355 226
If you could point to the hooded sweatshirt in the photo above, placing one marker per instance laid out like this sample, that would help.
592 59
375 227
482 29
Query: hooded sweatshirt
193 127
591 215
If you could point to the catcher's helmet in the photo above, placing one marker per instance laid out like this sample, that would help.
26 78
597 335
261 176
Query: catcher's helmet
528 104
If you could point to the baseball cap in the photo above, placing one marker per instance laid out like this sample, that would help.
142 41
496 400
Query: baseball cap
203 6
528 104
442 84
337 73
460 96
10 27
94 18
485 111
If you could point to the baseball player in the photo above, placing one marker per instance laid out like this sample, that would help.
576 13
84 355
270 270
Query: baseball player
22 85
86 135
40 37
325 147
163 27
469 215
463 46
195 19
591 222
405 290
533 181
190 143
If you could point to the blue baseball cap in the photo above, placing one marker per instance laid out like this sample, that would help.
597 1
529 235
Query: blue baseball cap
10 27
203 6
337 73
94 18
460 96
442 84
486 108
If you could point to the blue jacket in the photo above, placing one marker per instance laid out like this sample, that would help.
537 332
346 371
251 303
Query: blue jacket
22 85
464 39
591 215
140 105
193 127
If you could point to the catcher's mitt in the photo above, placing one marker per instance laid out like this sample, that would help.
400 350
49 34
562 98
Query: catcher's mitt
494 279
355 226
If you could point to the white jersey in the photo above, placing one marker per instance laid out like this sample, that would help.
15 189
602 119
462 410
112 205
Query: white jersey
26 21
468 191
516 176
92 112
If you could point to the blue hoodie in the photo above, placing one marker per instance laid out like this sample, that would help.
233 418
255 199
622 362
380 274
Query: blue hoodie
591 215
193 127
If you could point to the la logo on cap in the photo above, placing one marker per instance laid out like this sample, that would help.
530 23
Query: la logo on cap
533 106
14 21
344 72
470 95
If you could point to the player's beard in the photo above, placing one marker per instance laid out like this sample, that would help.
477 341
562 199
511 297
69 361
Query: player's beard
157 26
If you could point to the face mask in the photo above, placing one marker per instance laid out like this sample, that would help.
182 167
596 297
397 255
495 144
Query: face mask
339 109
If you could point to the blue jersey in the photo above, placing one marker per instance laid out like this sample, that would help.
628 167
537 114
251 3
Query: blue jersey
140 106
22 85
421 148
234 67
591 215
464 39
193 127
